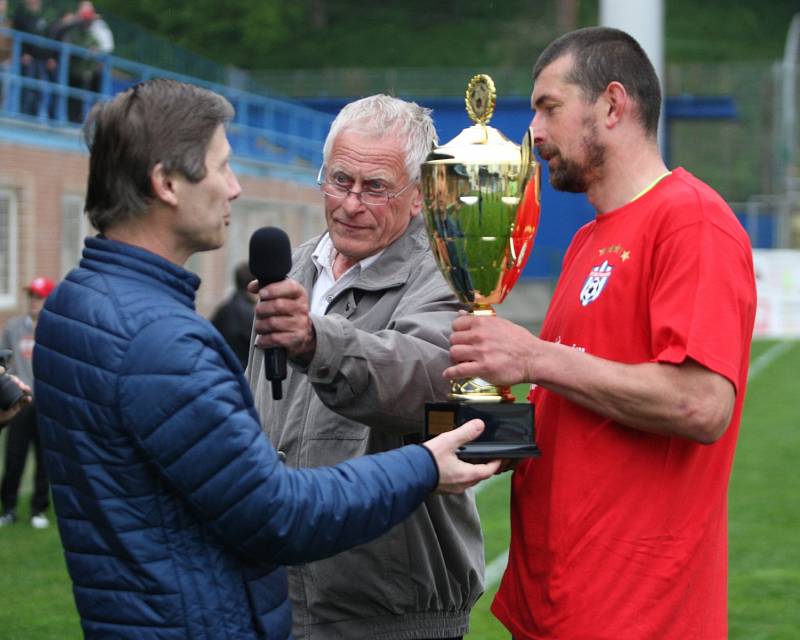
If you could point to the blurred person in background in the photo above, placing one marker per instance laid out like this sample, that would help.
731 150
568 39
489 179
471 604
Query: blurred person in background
6 43
365 317
18 335
84 28
234 317
37 62
22 391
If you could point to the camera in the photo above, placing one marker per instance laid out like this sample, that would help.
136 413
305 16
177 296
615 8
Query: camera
10 393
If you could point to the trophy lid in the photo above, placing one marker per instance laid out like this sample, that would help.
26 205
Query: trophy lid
480 143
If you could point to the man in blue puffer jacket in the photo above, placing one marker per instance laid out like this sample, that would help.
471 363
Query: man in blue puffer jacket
174 511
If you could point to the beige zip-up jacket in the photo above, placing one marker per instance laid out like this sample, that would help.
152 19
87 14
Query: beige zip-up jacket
381 348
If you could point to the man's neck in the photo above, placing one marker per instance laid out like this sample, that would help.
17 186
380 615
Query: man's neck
341 264
146 234
626 177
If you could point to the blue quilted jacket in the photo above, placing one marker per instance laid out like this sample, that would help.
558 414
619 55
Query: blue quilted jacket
174 511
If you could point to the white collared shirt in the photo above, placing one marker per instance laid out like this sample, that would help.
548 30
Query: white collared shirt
326 287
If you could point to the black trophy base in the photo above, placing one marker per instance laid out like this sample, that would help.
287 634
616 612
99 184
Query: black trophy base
509 431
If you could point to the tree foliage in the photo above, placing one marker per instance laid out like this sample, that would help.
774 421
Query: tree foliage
418 33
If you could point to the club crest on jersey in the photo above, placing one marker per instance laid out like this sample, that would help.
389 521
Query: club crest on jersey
595 283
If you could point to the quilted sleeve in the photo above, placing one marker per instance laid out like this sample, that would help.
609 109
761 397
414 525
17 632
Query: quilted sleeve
192 417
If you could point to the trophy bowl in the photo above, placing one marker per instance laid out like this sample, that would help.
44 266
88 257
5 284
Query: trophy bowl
481 207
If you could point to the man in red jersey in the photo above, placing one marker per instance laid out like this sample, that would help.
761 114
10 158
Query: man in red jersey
619 531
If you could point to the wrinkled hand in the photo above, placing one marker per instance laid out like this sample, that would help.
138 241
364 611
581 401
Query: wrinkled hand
455 475
282 318
491 348
14 409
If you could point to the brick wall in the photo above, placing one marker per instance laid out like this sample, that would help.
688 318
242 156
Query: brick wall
40 178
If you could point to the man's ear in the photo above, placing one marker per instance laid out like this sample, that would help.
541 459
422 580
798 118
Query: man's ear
416 200
617 103
163 185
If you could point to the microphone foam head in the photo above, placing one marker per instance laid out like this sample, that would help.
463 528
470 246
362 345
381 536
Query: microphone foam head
270 255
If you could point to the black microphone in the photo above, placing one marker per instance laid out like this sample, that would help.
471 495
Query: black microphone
270 261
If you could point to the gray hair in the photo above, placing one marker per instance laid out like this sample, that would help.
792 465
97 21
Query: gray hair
382 115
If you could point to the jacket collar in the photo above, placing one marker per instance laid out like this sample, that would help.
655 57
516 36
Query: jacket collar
126 260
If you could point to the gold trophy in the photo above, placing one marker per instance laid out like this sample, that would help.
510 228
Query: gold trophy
482 213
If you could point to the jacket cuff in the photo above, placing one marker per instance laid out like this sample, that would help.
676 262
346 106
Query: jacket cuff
329 351
435 465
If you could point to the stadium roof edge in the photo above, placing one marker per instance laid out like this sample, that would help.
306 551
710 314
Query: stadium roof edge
34 134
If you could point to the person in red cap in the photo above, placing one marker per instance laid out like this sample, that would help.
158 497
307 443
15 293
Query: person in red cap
17 335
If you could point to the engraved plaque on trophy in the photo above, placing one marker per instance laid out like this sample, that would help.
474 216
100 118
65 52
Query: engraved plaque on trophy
482 213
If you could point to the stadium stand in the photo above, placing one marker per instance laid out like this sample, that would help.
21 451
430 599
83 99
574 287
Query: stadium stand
265 129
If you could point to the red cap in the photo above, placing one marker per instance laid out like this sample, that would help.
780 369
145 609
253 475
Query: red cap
41 287
87 13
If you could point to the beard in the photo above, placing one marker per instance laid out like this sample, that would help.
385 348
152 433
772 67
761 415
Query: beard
575 175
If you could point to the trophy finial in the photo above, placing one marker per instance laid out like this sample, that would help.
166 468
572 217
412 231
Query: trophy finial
480 98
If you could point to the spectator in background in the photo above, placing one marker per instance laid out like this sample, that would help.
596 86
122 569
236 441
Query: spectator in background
5 40
234 317
86 29
17 335
36 61
98 29
5 45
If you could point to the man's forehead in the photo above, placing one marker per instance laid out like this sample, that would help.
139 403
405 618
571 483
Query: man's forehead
354 137
367 154
552 79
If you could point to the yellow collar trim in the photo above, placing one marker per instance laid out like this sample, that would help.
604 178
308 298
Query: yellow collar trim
650 186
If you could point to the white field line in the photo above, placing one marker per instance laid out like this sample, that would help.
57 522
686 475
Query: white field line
769 356
495 569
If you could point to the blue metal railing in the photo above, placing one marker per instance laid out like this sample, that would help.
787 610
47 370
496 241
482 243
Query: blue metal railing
264 129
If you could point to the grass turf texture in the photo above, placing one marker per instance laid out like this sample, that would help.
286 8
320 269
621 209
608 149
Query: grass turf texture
36 598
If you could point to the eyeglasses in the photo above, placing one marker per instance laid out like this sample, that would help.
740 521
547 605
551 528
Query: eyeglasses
373 198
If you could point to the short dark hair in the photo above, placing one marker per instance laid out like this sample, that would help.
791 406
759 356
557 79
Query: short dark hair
602 55
156 121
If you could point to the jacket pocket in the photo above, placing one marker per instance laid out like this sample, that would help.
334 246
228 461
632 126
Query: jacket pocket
370 580
334 440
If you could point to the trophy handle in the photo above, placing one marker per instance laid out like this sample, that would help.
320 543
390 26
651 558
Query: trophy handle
478 389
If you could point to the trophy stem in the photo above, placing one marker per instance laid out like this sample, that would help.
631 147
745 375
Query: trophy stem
477 389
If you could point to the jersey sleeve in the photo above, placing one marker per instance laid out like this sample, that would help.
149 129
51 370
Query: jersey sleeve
702 294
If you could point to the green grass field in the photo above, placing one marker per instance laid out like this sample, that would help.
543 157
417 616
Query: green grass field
36 599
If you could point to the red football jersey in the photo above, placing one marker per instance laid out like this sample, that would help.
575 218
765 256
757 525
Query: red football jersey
618 533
